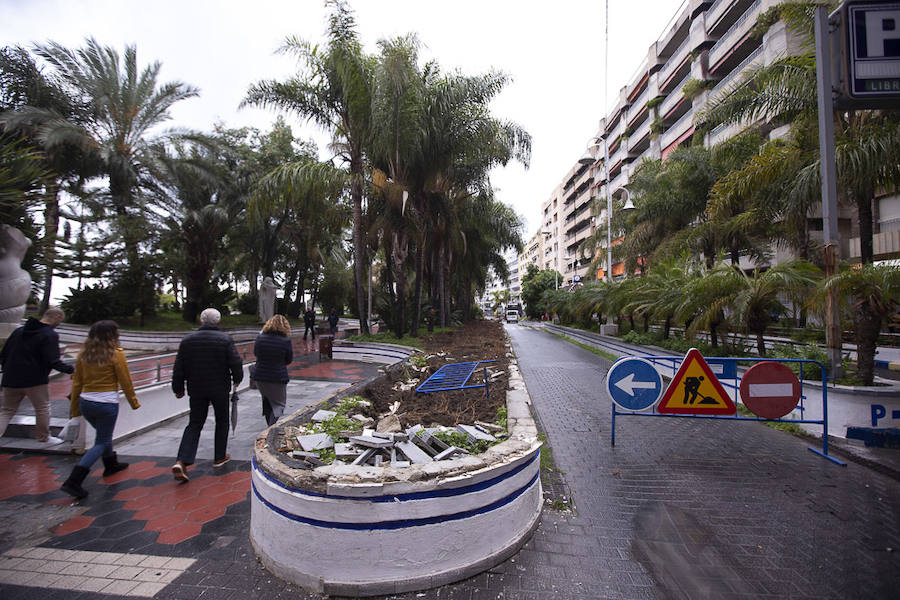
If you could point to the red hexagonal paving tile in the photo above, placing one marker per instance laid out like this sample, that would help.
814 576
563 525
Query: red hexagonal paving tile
179 533
205 514
28 476
72 525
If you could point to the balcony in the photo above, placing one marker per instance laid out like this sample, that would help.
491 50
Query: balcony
734 35
674 63
679 128
737 71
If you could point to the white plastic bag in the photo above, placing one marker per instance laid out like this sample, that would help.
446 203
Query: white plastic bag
69 432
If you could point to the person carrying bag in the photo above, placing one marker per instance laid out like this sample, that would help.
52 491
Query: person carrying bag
100 371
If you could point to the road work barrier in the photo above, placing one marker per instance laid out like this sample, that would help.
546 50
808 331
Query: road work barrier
701 388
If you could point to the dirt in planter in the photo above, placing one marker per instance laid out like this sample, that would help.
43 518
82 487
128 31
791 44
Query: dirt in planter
477 340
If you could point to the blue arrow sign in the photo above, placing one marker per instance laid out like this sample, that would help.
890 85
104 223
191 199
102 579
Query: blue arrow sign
634 384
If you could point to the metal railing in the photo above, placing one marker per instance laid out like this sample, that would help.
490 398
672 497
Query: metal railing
726 38
148 371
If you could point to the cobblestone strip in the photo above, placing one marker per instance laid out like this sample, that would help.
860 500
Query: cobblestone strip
137 575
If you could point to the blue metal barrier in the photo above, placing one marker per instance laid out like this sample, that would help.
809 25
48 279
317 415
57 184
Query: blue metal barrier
728 375
455 376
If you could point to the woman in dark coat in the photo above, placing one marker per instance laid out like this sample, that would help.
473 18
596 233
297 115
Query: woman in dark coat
273 354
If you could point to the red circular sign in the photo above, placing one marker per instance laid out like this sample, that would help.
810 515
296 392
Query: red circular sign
770 390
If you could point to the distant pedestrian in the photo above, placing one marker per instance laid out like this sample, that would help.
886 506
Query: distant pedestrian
100 371
309 320
208 361
27 357
273 353
333 322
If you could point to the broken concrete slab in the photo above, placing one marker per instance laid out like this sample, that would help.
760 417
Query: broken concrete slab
389 424
420 441
448 453
490 427
413 452
364 420
371 441
323 415
365 456
343 450
474 434
315 441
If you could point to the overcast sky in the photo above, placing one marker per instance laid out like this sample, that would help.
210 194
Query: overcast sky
552 50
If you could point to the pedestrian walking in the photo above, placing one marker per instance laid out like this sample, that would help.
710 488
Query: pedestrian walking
333 322
273 353
210 365
309 320
100 371
29 354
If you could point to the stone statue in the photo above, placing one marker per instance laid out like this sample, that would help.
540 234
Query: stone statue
15 282
266 300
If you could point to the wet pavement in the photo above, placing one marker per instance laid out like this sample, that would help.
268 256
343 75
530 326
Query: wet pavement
679 508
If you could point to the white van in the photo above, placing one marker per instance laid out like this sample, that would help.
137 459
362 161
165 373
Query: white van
512 316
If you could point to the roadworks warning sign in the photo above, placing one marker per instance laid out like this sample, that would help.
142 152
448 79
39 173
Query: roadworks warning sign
695 390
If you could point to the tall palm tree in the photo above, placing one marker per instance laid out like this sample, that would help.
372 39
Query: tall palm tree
126 104
33 105
334 89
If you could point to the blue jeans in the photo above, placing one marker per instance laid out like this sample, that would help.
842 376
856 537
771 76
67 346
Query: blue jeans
102 417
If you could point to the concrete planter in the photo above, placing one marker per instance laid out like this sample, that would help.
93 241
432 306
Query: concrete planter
852 406
364 531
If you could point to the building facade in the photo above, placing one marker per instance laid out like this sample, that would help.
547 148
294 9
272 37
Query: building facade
713 43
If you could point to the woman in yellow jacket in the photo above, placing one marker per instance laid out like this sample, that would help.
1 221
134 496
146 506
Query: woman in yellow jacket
100 371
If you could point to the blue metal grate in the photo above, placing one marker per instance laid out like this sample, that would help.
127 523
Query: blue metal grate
453 377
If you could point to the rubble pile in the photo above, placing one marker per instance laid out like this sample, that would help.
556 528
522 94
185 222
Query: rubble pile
382 444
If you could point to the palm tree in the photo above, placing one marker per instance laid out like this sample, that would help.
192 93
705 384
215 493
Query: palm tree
334 89
33 105
753 299
874 292
126 103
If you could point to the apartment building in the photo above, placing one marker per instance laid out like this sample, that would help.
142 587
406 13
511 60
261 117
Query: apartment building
708 41
513 284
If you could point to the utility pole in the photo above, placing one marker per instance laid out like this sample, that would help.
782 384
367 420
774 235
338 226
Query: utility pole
829 187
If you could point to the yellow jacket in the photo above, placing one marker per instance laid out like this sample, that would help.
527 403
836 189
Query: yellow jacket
108 377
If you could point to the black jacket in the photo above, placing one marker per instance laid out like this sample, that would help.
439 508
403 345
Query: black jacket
273 354
309 318
29 354
208 361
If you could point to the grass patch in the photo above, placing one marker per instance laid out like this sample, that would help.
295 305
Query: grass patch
791 428
597 351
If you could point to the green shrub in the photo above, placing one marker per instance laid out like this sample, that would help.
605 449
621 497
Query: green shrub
808 351
247 304
91 304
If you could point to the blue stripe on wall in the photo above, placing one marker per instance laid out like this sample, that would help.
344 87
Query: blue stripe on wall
400 524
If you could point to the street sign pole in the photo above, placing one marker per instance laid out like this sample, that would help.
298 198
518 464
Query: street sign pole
829 186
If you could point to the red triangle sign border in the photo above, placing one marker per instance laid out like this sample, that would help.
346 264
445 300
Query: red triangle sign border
694 355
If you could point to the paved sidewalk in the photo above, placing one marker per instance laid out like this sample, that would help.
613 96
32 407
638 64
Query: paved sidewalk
679 508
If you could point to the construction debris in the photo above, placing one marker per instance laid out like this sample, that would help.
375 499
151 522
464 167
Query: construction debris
398 449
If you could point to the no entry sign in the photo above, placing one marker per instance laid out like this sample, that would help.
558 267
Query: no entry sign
770 390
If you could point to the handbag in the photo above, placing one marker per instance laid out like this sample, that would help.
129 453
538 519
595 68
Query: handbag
252 385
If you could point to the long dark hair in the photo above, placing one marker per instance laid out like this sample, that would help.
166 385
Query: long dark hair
101 343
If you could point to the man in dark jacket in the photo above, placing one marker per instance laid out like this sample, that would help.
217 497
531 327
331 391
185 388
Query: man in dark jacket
309 320
208 361
27 357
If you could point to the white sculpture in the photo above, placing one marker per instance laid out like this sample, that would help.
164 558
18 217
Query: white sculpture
15 282
266 299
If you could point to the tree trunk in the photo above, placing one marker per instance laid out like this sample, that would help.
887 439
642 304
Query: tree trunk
51 231
868 326
667 328
417 292
400 250
713 335
360 258
864 216
760 343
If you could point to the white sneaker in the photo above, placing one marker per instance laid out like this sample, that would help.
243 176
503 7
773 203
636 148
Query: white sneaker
52 441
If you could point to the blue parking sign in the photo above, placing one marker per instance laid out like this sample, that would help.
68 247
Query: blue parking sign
634 384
